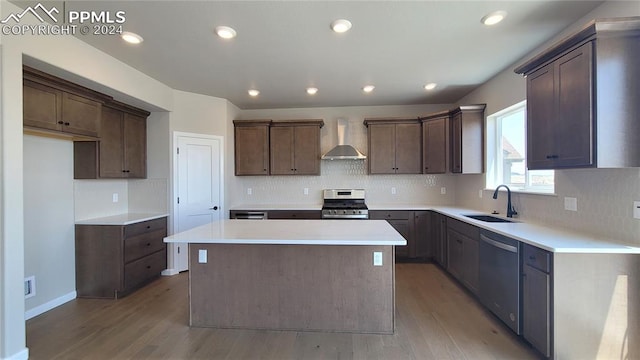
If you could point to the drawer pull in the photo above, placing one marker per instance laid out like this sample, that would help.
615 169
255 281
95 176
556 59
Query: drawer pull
148 226
148 244
148 266
531 257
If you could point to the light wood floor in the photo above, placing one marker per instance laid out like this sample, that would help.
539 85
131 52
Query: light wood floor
435 319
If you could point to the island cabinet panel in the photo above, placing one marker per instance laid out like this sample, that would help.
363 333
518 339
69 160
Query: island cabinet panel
292 287
295 147
582 111
467 139
251 147
114 260
434 146
395 146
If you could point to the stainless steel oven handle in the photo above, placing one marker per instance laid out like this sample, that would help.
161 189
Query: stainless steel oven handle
499 244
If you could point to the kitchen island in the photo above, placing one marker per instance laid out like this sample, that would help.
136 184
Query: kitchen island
315 275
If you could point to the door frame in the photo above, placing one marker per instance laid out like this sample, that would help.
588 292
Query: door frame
174 188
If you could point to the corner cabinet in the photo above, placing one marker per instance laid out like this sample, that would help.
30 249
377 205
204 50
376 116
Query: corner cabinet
467 139
251 147
114 260
414 226
395 146
582 99
295 147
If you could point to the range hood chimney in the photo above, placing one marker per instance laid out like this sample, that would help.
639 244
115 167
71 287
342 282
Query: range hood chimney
343 151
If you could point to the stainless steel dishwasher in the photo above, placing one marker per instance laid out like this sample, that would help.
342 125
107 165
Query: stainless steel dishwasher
500 277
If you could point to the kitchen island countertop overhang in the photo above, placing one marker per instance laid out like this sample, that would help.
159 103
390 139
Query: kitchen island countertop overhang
292 232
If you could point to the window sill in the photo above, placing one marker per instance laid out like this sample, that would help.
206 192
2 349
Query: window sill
525 192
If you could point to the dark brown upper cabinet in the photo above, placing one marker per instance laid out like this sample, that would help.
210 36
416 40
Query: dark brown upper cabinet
395 146
251 147
295 147
121 152
56 105
467 139
582 99
434 143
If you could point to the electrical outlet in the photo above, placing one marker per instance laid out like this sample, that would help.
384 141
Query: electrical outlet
306 191
571 204
114 197
377 258
29 287
443 190
636 209
480 193
393 190
249 191
202 256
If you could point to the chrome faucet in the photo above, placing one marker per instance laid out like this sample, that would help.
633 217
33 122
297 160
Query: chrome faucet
510 210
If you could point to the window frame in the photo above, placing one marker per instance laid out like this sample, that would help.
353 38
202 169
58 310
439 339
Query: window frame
494 160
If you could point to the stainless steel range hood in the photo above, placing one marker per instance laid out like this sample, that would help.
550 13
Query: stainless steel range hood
343 151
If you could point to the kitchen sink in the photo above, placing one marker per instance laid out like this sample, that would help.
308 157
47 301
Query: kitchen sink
488 218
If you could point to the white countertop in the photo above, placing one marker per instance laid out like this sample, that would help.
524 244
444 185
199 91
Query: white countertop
292 232
121 219
554 240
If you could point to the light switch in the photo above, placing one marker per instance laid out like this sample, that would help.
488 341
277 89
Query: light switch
202 256
249 191
393 190
636 209
377 258
443 190
114 197
306 191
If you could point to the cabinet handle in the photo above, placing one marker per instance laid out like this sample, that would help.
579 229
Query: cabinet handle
148 226
148 244
531 257
552 156
148 266
264 169
60 122
67 124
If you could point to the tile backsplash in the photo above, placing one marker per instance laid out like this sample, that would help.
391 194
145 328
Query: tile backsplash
409 189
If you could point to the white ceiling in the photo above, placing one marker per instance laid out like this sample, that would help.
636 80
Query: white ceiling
283 47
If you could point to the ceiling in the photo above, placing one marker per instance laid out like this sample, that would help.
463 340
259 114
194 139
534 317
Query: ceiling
283 47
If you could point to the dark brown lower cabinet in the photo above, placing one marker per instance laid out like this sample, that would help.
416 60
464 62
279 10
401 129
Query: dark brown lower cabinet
439 238
463 253
114 260
413 226
536 298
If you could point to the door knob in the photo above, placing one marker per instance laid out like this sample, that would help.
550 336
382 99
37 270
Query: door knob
214 208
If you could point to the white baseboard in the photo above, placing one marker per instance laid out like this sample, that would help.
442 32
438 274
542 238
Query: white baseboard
170 272
41 309
20 355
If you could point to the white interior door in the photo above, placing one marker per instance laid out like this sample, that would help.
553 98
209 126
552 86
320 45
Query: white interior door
199 188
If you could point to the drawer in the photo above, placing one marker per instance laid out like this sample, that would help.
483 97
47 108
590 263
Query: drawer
295 214
464 228
390 214
537 258
142 245
141 271
145 227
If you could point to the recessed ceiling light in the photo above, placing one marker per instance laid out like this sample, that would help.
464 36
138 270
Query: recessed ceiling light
225 32
341 25
368 88
430 86
254 92
131 38
312 90
493 18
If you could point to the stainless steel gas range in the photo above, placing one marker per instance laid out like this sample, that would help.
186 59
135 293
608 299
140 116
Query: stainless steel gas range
344 204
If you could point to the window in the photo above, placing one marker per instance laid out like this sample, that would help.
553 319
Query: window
506 153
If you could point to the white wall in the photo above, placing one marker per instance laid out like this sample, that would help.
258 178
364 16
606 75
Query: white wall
410 189
605 196
49 221
68 56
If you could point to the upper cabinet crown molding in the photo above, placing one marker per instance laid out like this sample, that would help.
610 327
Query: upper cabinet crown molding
298 122
582 99
43 78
